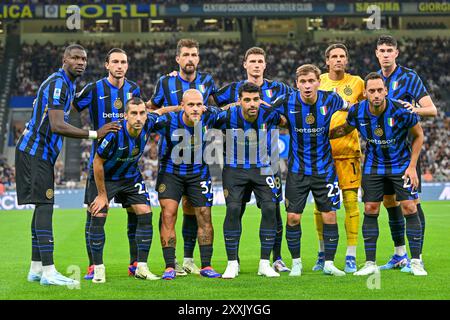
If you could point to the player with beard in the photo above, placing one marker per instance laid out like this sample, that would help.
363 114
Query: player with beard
169 92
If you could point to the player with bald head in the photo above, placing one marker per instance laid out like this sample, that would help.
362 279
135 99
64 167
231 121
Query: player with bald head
169 91
182 171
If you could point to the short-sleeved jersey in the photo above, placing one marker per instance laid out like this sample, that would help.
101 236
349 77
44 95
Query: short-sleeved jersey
105 103
309 125
169 90
404 84
350 88
387 150
122 151
177 138
271 90
251 145
55 93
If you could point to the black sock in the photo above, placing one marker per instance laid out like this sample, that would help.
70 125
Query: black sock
35 254
330 240
293 238
397 225
144 235
244 205
422 222
97 238
414 234
169 256
44 232
232 230
278 236
370 233
267 229
189 230
86 237
206 252
131 233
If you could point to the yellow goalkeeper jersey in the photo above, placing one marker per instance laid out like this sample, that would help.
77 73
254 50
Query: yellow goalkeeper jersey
350 88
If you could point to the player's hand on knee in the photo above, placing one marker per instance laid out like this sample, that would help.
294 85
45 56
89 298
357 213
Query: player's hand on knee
109 127
99 203
411 176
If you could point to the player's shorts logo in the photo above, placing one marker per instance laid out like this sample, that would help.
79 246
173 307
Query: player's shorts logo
348 91
162 188
49 194
225 193
310 118
118 104
378 132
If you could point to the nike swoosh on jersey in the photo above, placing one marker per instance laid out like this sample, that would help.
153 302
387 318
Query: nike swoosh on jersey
101 98
364 124
175 91
123 148
292 111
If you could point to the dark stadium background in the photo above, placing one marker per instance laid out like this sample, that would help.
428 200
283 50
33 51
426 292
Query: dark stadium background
34 33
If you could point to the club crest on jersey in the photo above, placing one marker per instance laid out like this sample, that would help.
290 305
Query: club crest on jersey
135 151
202 88
378 132
49 194
118 104
269 93
323 110
394 85
390 122
348 91
310 118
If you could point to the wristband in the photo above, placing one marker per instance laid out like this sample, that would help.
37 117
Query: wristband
92 134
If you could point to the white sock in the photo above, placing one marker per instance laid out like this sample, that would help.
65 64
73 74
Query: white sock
321 246
142 264
264 261
420 257
329 263
400 251
99 265
351 251
296 260
48 270
186 260
36 266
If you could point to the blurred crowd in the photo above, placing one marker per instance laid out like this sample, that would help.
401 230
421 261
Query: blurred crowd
223 59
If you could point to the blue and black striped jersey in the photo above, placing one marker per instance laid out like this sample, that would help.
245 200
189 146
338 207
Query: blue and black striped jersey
387 150
169 90
56 92
248 144
122 151
105 103
404 84
180 146
271 90
309 125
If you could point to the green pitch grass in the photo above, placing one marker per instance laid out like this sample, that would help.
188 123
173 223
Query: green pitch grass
15 255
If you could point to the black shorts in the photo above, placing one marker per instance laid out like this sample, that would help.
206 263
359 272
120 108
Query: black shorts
278 183
126 191
238 182
389 188
325 190
197 187
35 179
374 187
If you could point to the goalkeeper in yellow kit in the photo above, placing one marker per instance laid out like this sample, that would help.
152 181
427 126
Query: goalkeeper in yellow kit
346 151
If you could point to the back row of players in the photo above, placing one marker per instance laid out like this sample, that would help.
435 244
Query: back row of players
315 163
